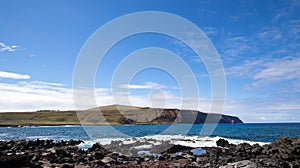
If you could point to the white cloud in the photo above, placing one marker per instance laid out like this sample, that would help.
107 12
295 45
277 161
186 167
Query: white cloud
293 27
11 75
280 14
31 96
36 95
269 71
183 50
236 46
211 31
255 109
246 70
269 33
40 83
147 85
4 47
286 68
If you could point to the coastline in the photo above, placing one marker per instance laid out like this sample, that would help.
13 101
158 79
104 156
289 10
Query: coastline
102 124
283 152
111 115
119 124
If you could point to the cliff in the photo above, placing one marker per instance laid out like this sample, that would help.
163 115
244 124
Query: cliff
114 114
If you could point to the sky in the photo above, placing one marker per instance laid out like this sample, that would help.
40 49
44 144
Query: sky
258 43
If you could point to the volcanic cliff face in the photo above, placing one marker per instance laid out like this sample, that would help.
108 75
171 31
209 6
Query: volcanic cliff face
132 115
194 117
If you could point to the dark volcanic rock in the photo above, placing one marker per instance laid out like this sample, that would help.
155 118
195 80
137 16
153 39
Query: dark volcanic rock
99 155
222 142
256 149
68 165
284 152
178 148
15 161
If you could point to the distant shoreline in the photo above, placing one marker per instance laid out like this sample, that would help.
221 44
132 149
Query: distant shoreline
50 125
46 125
113 115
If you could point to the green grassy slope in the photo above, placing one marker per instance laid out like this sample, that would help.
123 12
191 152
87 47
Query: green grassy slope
115 114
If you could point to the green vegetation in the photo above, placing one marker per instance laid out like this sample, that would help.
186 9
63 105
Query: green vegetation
38 118
115 114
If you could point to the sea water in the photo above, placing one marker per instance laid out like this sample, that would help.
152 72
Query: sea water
261 133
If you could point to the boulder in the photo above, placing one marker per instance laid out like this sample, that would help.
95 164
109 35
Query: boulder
15 161
242 164
222 143
99 155
107 160
256 149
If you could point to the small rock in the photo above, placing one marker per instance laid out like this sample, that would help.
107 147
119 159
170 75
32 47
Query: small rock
67 165
107 160
241 164
99 155
256 149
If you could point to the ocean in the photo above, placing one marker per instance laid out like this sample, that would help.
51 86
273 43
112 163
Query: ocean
261 133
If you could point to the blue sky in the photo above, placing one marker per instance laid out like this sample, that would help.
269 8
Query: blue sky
258 42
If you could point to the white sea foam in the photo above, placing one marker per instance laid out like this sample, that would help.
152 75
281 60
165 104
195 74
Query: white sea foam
141 153
184 140
40 137
148 153
51 126
143 147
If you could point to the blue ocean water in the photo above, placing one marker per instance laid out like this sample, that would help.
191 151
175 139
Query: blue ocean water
266 132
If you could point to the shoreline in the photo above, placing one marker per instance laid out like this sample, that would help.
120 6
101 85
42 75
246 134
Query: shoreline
283 152
119 124
108 124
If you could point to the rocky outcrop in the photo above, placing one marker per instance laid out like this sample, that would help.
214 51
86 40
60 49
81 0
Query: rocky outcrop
284 152
194 117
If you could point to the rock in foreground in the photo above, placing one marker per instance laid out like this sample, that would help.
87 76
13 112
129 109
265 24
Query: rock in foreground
284 152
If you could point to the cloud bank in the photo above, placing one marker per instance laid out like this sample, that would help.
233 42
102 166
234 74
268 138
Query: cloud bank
11 75
37 95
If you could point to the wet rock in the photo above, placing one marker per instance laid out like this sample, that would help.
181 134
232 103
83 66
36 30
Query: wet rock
66 160
177 148
268 162
256 149
68 165
97 147
99 155
222 143
15 161
241 164
284 152
107 160
35 165
147 158
247 147
52 150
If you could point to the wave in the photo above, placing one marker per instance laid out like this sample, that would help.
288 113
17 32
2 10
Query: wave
184 140
40 137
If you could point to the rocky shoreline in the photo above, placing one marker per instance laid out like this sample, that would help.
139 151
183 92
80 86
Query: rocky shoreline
284 152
